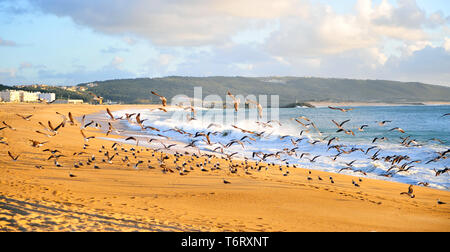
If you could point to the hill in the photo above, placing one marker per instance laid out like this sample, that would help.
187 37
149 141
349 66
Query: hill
289 89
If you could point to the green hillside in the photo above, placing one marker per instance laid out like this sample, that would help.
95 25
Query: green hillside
289 89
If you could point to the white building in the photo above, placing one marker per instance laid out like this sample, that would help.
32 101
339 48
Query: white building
29 96
10 96
25 96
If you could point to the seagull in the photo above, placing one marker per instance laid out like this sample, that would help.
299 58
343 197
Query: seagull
110 114
86 138
260 108
37 144
398 129
96 97
55 129
382 123
71 120
45 101
235 101
410 192
362 127
377 138
439 172
214 125
9 126
339 125
302 117
440 202
163 99
226 181
243 130
130 138
26 118
341 109
14 158
314 158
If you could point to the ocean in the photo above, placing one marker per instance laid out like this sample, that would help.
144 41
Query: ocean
426 131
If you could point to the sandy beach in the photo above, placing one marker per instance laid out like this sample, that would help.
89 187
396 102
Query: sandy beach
36 195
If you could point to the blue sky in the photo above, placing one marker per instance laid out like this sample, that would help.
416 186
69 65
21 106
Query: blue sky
72 41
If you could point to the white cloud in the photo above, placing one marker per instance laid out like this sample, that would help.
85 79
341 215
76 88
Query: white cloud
170 23
292 37
165 59
117 61
447 44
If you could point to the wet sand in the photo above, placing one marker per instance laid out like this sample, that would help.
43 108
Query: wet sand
117 197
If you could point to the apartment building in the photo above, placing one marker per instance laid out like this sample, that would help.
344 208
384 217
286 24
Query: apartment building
25 96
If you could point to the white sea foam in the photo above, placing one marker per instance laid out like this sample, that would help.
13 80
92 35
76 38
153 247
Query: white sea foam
271 142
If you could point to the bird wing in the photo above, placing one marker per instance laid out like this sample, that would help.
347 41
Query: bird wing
231 95
82 133
109 113
342 123
71 118
156 94
51 126
11 155
337 124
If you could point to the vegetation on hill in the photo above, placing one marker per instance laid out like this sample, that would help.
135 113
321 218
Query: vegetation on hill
291 90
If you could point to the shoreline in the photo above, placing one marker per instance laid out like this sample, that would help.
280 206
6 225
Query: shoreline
120 198
241 156
363 104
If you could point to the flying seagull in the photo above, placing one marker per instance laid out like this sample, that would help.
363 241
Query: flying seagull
235 101
260 109
110 114
341 109
96 97
382 123
26 118
398 129
163 99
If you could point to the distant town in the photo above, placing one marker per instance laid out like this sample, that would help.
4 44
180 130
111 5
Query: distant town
25 96
42 93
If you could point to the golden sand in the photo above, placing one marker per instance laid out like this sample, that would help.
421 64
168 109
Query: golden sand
120 198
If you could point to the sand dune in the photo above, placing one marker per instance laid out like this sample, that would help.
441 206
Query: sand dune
116 197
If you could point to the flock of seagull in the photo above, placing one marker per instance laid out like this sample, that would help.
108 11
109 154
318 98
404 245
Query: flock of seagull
183 163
